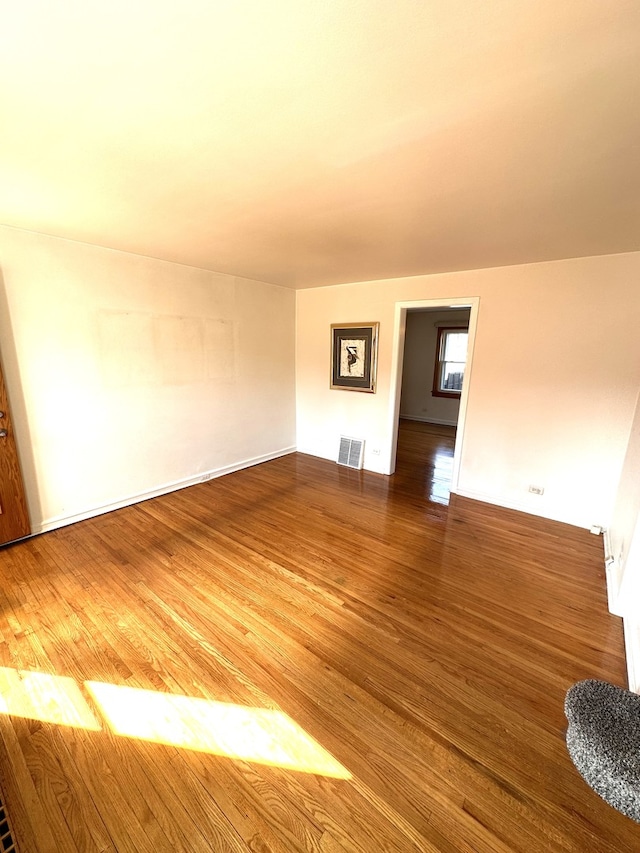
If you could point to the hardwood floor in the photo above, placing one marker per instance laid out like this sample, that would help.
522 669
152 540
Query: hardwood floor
427 647
424 462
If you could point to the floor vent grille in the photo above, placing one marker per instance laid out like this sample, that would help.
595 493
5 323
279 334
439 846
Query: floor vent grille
7 844
351 452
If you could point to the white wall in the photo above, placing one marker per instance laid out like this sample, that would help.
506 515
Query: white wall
556 372
624 533
421 338
623 578
129 375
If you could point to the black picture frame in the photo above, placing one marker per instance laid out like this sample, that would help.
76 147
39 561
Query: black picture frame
354 353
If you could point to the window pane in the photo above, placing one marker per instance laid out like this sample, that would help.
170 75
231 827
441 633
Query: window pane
455 346
452 376
451 359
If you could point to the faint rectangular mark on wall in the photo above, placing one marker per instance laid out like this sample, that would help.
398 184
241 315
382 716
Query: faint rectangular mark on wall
137 349
179 347
126 349
219 347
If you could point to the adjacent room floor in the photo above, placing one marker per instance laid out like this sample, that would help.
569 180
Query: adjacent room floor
302 657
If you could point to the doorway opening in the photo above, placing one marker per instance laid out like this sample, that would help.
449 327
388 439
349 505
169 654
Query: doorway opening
431 376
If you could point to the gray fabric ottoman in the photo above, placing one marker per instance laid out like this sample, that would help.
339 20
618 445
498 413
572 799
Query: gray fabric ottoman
603 740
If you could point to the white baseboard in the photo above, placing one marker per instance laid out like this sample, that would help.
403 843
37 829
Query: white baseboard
428 420
489 499
63 520
612 570
519 507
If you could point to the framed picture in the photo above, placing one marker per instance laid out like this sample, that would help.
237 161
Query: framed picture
354 350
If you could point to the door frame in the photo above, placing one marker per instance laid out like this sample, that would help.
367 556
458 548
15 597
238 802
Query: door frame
399 330
14 513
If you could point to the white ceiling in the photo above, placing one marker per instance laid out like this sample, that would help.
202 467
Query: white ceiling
310 142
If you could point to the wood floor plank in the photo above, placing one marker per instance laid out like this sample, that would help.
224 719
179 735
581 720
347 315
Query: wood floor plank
424 640
28 815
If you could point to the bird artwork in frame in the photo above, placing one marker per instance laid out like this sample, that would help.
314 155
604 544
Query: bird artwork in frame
354 348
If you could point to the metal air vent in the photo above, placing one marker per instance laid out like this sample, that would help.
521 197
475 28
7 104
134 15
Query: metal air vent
351 452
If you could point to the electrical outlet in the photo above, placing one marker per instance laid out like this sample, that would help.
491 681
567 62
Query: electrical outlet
536 490
376 451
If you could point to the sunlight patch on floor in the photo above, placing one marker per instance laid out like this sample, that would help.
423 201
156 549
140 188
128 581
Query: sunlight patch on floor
260 735
248 734
46 697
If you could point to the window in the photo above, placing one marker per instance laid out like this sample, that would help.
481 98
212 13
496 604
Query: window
451 357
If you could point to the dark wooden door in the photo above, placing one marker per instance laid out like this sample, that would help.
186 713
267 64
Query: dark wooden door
14 518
